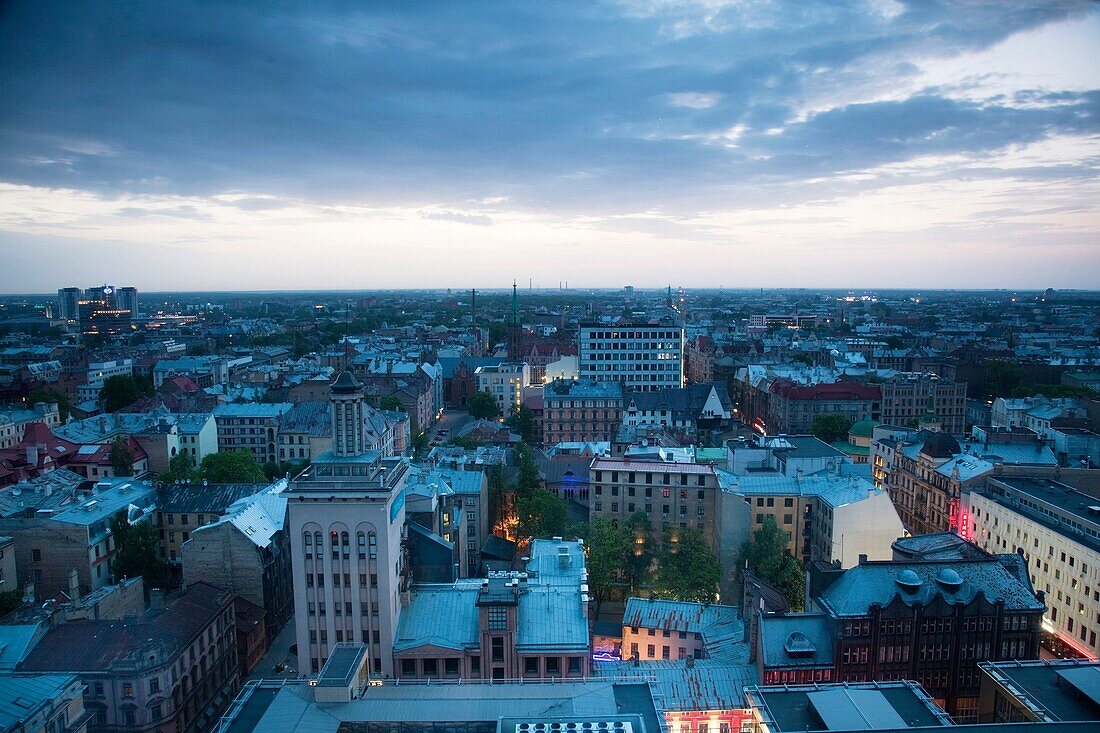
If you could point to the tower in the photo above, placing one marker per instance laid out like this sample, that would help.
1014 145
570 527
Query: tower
515 328
347 416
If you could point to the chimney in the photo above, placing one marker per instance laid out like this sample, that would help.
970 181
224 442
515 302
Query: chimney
74 585
862 558
32 455
156 599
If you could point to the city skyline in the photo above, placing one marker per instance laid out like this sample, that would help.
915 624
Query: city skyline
330 147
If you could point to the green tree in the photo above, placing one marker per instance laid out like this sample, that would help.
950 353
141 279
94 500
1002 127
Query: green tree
136 553
609 548
391 403
181 467
768 558
687 569
1001 378
482 406
522 421
541 514
528 476
232 467
48 395
420 444
123 390
10 601
640 559
831 427
122 458
497 497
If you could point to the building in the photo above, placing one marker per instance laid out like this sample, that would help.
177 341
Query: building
931 622
1057 531
127 299
585 412
347 496
42 703
99 372
505 382
687 409
251 426
13 423
793 407
183 508
828 517
76 535
9 573
252 636
909 397
669 494
68 304
1049 691
657 629
531 625
174 668
641 357
99 312
204 371
885 706
304 431
927 479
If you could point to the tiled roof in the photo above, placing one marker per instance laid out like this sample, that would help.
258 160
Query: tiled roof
853 593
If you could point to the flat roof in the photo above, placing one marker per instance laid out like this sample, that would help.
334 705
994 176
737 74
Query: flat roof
342 665
1045 687
875 706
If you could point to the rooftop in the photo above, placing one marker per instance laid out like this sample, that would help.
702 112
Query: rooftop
204 498
23 696
847 707
1056 690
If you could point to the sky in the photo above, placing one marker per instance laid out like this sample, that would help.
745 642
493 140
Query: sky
206 145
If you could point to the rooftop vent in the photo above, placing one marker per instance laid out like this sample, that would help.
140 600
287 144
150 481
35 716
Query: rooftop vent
908 581
949 579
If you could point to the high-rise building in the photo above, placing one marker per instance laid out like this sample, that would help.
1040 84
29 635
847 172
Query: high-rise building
643 357
346 515
127 299
99 311
68 300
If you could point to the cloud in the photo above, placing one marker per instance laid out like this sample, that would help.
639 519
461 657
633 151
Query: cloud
606 110
475 219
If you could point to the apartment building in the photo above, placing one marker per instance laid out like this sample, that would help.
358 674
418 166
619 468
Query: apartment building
174 668
910 398
793 407
251 426
655 629
581 412
505 382
1057 531
640 357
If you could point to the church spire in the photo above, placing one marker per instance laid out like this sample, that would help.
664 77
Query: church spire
515 304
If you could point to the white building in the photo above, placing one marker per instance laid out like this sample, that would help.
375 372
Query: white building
642 357
505 382
98 373
346 515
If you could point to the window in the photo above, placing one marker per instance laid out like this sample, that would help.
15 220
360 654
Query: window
553 665
531 666
498 648
408 667
372 540
430 667
498 618
127 689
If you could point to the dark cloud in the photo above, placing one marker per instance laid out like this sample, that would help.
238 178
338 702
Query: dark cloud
555 105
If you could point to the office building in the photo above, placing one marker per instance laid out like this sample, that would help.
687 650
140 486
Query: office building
346 515
68 302
1056 529
641 357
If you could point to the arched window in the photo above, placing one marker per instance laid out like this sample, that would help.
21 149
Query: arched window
344 543
361 543
334 544
318 543
308 539
372 540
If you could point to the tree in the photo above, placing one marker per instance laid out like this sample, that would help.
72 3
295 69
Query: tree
122 458
522 421
1001 378
122 390
640 559
232 467
497 496
48 395
541 514
831 428
688 570
768 558
482 406
420 444
181 467
390 403
136 553
10 601
608 549
528 477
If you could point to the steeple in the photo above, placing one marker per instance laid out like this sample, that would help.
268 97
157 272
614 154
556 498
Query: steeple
515 327
515 305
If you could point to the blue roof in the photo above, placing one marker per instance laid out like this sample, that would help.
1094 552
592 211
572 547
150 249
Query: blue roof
809 635
22 697
15 642
440 615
